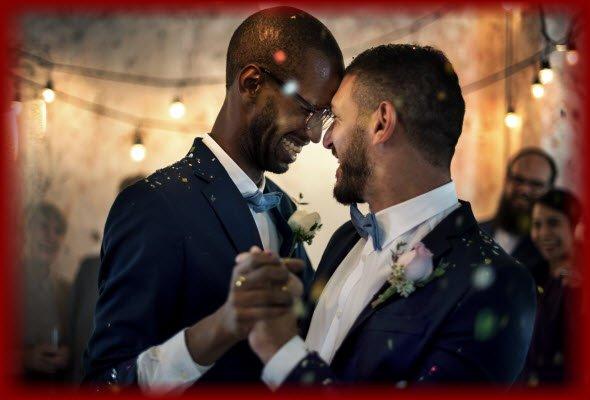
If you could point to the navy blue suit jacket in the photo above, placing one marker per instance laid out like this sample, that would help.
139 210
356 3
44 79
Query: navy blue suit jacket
166 262
450 330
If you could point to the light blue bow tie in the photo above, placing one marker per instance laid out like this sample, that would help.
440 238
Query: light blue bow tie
262 202
366 225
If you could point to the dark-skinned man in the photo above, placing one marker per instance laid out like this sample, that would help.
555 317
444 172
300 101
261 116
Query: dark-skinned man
172 311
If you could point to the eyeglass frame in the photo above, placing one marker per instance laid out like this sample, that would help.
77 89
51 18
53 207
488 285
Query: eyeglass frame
325 112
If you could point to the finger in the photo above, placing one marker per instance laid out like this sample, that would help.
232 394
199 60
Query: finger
294 265
295 286
255 249
261 313
266 276
252 261
263 298
241 257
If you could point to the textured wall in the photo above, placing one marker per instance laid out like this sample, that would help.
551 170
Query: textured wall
79 163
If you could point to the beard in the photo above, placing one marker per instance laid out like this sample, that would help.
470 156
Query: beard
263 141
356 170
512 219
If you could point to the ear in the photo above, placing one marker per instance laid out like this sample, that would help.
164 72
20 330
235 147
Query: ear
250 82
384 121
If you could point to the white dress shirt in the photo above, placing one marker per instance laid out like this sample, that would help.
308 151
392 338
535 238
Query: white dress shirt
507 241
358 278
169 367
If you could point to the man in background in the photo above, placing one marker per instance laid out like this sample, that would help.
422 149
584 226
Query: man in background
45 357
529 175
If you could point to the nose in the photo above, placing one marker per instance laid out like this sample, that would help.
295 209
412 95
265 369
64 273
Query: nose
327 141
314 134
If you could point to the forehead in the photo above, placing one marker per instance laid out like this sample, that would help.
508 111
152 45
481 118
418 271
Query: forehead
320 78
541 211
532 166
342 100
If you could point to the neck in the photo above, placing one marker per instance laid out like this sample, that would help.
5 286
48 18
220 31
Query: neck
394 184
228 135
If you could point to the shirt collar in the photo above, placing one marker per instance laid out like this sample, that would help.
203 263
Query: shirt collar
245 185
396 220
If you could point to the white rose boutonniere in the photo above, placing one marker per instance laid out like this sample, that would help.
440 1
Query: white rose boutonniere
304 225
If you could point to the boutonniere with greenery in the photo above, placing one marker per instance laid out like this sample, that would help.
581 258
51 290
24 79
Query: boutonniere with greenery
304 225
409 270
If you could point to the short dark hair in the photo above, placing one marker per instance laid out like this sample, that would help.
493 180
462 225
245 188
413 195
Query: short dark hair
424 89
43 210
564 202
286 30
534 151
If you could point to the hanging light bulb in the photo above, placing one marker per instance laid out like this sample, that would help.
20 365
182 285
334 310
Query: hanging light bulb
571 56
177 108
561 47
545 73
48 93
17 104
512 119
537 88
137 151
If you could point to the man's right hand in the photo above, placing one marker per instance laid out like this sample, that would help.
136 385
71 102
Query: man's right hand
262 288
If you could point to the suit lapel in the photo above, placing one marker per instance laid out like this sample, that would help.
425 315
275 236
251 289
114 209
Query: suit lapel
225 199
438 242
278 215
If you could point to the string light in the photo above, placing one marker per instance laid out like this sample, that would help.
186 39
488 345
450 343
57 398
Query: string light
545 73
177 108
137 151
571 56
48 93
537 88
17 104
512 120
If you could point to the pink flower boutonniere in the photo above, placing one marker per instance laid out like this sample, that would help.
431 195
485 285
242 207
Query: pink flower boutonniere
409 270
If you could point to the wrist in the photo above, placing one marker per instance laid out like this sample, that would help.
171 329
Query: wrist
267 352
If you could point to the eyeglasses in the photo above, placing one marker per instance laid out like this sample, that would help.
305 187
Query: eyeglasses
318 120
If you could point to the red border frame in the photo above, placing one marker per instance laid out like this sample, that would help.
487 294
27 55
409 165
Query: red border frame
9 209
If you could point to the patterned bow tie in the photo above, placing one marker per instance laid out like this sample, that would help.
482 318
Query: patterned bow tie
366 226
262 202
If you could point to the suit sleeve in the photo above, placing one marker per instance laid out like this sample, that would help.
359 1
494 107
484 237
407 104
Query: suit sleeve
484 339
140 276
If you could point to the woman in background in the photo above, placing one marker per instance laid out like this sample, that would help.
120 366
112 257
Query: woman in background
554 220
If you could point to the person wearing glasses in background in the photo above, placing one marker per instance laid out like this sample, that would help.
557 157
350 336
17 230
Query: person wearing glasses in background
529 175
172 311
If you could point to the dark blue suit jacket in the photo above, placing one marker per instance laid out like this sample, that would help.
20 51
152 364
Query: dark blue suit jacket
447 331
166 262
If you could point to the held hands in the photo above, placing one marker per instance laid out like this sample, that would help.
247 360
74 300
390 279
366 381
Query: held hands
263 287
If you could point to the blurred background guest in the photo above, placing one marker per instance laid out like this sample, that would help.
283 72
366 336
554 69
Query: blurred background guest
554 220
83 301
529 175
45 357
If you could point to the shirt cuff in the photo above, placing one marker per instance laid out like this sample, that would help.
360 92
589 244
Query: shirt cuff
169 367
283 362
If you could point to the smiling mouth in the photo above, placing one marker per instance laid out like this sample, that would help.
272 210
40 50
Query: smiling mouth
292 146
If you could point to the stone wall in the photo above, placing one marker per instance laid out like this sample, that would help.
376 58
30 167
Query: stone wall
81 160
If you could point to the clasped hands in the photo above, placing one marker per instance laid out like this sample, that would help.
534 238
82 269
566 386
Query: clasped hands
263 291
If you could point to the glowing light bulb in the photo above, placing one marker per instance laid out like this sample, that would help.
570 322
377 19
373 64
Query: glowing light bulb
137 151
572 56
537 89
546 73
48 93
177 108
512 120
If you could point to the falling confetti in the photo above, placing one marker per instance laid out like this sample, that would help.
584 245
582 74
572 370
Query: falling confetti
483 277
290 87
279 56
486 324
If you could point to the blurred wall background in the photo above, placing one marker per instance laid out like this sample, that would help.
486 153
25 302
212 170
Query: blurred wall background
80 160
